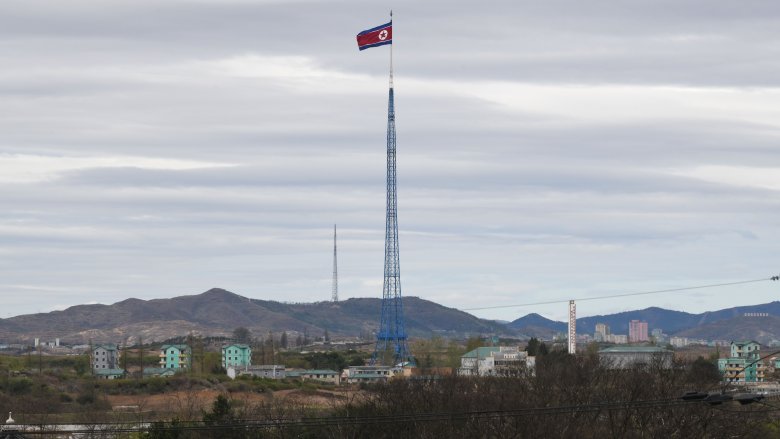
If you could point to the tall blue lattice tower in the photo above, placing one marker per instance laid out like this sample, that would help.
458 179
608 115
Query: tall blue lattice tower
391 337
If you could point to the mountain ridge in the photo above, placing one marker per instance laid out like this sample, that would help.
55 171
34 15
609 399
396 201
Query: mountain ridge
672 322
217 312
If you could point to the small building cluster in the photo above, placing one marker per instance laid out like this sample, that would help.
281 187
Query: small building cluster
743 364
104 359
637 333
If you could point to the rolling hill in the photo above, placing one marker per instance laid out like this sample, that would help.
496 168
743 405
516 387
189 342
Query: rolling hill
218 312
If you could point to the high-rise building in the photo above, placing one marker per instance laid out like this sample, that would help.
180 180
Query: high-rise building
637 331
602 330
658 335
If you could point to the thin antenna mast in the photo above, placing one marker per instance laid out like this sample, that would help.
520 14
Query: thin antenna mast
335 291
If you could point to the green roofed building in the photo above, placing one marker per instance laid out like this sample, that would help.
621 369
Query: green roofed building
109 374
469 362
175 356
237 355
744 364
495 361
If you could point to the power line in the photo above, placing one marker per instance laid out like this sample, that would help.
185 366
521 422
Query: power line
613 296
285 422
370 420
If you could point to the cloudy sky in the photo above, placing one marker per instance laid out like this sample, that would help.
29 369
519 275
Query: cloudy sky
547 150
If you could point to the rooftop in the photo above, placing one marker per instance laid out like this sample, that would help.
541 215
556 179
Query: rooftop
744 342
320 372
482 352
368 376
109 371
181 347
630 349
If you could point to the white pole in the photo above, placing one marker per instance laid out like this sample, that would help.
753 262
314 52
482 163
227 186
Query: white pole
391 53
572 328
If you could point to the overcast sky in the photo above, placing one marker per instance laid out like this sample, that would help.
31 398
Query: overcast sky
546 150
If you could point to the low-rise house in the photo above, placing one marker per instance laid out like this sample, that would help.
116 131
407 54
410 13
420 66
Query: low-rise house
175 356
105 357
744 363
469 362
236 355
624 357
272 371
110 374
322 375
370 374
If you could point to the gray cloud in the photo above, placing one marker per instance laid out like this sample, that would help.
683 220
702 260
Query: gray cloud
546 149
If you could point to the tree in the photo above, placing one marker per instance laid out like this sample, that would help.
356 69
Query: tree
141 357
427 361
201 351
123 355
221 411
326 337
532 347
473 343
703 372
242 335
283 340
270 349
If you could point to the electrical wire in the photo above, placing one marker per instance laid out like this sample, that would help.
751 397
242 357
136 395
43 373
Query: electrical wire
613 296
731 379
381 419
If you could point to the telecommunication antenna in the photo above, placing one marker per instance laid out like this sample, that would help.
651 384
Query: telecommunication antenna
335 292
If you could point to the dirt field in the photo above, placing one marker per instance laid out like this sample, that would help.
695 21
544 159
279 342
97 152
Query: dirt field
188 405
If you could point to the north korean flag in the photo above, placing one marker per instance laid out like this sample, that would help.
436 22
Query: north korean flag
378 36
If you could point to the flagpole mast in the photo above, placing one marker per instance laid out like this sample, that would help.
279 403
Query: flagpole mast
391 54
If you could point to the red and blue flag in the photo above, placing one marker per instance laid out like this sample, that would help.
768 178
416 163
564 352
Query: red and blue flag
377 36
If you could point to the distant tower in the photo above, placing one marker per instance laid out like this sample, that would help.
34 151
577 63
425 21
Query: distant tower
392 333
572 328
335 296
